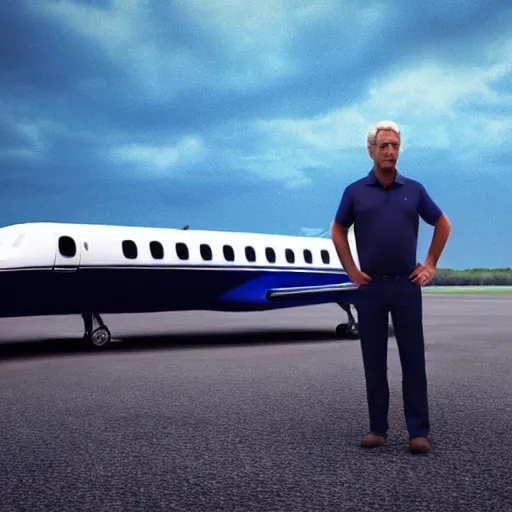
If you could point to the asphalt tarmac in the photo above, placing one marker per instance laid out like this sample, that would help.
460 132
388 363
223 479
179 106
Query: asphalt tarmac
250 412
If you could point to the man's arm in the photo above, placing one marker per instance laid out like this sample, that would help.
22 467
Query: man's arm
423 274
339 235
442 230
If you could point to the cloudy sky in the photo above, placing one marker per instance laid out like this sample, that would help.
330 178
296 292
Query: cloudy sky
251 115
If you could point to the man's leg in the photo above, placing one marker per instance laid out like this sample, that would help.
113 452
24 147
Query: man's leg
407 316
373 316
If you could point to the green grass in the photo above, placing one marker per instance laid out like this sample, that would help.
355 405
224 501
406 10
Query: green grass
467 289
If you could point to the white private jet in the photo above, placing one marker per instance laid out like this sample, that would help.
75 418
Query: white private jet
85 269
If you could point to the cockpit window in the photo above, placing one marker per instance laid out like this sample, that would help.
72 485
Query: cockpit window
19 240
11 238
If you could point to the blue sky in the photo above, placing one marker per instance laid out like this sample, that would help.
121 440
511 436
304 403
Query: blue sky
252 115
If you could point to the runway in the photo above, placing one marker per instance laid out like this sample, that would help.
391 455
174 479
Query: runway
250 412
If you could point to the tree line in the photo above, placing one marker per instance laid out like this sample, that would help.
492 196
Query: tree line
473 277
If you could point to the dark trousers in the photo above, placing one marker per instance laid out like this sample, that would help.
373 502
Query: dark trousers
403 300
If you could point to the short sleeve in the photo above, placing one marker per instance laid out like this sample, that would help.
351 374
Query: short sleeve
428 210
345 212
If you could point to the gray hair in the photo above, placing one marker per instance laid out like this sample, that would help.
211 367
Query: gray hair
381 125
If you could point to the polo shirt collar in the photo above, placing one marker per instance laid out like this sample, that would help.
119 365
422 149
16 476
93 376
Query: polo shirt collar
371 179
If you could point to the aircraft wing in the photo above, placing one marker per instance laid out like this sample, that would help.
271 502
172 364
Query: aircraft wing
308 291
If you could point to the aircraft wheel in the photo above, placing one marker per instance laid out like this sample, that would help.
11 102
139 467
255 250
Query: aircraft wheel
100 337
343 331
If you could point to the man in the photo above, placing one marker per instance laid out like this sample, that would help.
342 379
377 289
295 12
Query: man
385 208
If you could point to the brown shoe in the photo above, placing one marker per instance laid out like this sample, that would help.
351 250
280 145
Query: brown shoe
372 441
419 445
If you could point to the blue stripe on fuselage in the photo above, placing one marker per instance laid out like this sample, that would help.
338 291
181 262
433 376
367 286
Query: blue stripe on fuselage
151 289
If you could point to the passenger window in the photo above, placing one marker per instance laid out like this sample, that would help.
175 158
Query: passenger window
206 252
157 250
229 254
250 254
67 246
290 256
182 251
130 249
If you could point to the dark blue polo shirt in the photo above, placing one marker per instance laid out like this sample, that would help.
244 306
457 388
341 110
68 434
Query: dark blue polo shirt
386 222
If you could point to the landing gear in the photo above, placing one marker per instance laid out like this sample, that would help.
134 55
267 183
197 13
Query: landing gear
98 337
349 330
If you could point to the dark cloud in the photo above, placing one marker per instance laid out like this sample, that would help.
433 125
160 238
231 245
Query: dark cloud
69 99
42 60
69 77
456 33
99 4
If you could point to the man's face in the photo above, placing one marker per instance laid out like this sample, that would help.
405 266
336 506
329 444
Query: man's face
385 151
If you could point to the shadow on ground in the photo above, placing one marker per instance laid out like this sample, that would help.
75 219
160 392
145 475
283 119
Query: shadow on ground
73 346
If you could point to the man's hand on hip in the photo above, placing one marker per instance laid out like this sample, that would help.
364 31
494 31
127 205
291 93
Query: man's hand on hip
359 278
423 274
